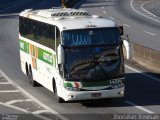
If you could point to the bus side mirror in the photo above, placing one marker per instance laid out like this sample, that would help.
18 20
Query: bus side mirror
120 28
60 54
127 46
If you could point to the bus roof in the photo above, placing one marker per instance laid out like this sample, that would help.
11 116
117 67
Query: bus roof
67 18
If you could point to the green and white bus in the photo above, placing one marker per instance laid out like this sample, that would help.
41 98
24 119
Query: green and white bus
75 55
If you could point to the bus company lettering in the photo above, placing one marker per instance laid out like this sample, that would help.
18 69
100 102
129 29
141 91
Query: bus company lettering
47 57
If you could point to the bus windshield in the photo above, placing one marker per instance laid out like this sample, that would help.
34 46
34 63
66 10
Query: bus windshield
92 63
92 36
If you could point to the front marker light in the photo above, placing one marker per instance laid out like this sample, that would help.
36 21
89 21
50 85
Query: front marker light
121 93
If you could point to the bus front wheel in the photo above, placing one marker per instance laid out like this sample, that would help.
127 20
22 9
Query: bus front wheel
59 99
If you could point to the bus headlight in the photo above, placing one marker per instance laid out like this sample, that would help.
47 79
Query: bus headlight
73 89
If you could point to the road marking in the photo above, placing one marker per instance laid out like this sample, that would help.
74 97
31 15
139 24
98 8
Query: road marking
104 12
3 79
126 25
5 83
40 111
149 33
43 117
144 74
139 107
14 107
33 98
23 110
102 7
132 6
9 91
112 18
142 7
15 101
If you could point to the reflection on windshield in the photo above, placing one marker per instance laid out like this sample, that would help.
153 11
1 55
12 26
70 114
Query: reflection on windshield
91 63
76 60
90 36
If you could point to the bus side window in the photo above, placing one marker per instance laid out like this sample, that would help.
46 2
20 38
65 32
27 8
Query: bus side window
27 27
35 31
20 25
58 40
39 32
47 35
52 37
32 31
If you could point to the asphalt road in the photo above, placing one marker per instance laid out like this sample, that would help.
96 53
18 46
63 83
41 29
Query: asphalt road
142 90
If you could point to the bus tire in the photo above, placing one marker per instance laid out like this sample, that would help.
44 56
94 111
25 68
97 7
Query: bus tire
59 99
26 69
30 76
54 84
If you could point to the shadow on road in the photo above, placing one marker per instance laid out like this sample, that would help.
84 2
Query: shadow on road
141 90
17 7
10 9
99 3
9 16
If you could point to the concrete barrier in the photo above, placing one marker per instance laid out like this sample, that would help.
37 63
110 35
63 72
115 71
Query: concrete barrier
147 57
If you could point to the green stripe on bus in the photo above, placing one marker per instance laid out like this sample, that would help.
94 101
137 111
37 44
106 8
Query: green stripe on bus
45 56
68 84
24 46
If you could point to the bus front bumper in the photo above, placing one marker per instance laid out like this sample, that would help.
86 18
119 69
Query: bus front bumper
87 95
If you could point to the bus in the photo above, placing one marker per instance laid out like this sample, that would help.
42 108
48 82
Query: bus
76 55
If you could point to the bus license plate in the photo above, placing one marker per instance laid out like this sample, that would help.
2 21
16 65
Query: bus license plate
96 94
